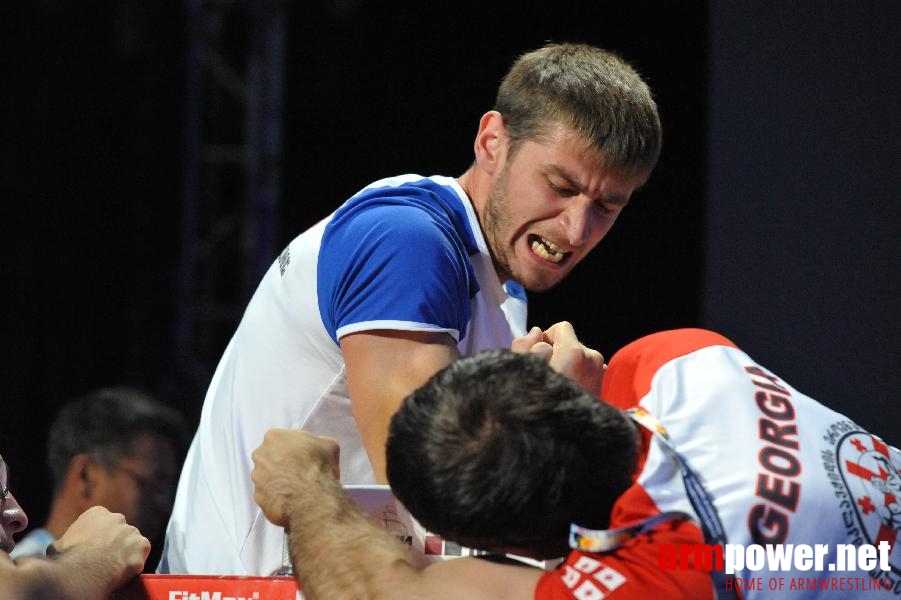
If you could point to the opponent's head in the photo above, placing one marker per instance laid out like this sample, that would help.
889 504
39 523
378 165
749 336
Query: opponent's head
498 451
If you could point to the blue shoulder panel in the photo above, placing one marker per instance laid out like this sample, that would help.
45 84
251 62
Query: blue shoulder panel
397 254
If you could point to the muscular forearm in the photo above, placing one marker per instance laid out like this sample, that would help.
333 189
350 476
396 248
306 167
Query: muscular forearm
76 574
337 551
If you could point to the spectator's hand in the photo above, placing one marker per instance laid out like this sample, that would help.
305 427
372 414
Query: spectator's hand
116 543
285 464
566 354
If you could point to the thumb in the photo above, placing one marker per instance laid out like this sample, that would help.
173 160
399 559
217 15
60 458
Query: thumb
542 350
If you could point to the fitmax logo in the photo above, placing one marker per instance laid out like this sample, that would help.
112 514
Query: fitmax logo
204 595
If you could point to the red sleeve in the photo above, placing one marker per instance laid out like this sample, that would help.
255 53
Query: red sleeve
630 371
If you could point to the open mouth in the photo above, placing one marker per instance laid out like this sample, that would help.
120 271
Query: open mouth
547 249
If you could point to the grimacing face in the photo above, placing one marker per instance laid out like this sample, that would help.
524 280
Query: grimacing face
549 206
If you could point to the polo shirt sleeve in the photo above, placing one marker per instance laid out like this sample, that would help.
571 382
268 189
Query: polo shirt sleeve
393 266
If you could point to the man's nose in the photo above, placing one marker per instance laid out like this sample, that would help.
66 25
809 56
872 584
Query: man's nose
576 220
14 518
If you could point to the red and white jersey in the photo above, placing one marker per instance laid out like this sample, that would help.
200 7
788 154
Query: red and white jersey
780 468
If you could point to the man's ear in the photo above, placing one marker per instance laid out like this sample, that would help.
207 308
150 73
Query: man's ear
491 142
82 476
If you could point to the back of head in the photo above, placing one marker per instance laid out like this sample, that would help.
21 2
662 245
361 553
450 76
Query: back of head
105 423
590 90
500 451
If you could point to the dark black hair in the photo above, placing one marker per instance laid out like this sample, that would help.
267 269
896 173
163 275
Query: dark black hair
500 451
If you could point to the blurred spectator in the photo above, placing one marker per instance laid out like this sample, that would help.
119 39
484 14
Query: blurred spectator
118 448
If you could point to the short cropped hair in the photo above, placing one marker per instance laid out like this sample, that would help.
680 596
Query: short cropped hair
104 424
590 90
498 450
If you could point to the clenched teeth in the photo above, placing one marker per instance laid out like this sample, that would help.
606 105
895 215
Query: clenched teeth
547 250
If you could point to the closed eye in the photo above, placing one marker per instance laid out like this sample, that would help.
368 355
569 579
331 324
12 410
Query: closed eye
604 208
563 191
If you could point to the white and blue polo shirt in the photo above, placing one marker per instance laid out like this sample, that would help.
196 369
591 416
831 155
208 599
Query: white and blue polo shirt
405 253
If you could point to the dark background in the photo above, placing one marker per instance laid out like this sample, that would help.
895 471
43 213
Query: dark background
773 215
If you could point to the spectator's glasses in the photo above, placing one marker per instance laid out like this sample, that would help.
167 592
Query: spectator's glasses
4 479
156 487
